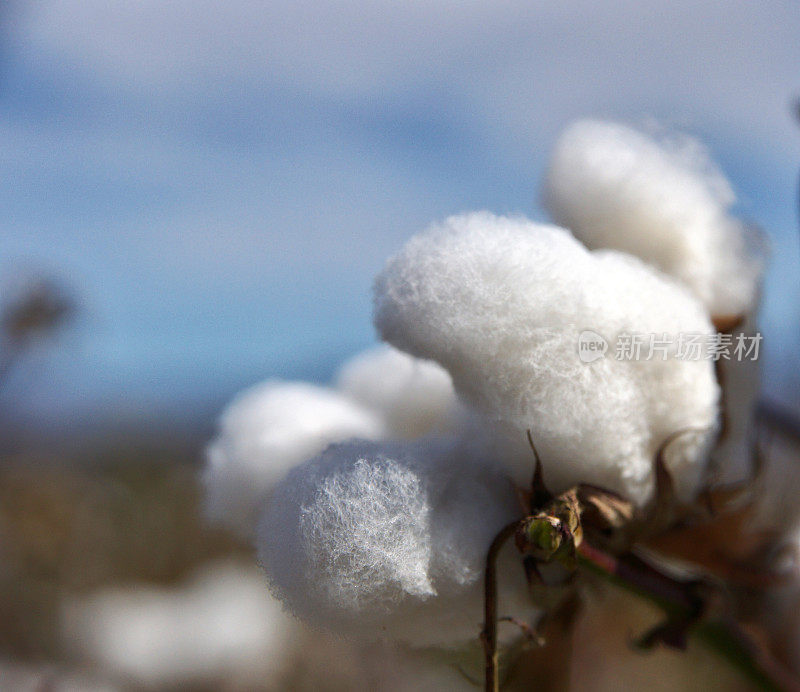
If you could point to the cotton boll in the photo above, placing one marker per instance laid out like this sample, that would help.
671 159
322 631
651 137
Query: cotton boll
31 677
663 201
668 204
222 620
388 540
266 431
415 397
680 394
501 304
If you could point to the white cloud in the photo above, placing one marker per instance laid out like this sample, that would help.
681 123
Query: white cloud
520 65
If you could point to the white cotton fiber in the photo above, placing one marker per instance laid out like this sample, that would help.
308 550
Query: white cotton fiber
414 397
389 540
501 304
663 201
265 432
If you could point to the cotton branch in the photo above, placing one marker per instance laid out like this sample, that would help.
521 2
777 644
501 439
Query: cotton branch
723 635
489 633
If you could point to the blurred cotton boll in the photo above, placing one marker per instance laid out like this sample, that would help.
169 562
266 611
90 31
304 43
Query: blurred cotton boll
501 304
389 540
266 431
53 678
663 201
415 397
222 621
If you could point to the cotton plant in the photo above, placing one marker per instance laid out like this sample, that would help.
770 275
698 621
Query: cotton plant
513 448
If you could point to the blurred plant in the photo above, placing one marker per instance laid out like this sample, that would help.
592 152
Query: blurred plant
41 308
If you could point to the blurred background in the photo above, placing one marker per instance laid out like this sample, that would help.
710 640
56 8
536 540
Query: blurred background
195 196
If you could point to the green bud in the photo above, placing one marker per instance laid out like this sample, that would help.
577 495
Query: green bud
541 536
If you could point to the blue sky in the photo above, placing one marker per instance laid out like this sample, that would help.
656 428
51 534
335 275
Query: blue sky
220 183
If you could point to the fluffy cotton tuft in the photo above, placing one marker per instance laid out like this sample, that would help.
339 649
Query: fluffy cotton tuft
415 397
663 201
266 431
501 303
388 539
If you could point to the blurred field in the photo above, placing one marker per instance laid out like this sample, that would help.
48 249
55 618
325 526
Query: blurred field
128 515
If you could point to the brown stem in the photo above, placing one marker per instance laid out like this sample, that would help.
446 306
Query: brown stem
489 633
641 576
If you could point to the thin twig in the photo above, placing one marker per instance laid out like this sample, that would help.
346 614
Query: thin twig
489 633
540 495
